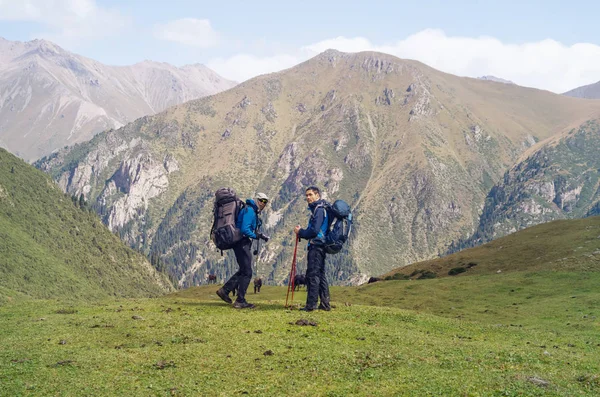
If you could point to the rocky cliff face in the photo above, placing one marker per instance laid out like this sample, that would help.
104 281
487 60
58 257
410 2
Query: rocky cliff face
561 180
50 98
413 150
140 179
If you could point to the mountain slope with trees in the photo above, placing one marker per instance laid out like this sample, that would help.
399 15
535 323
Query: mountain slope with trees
415 152
559 180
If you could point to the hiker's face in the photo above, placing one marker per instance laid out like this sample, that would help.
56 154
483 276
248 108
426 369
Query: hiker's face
311 196
261 204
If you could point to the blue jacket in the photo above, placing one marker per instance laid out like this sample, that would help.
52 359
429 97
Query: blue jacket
247 220
317 225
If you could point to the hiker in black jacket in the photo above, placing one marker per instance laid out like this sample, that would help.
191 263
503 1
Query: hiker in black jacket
316 281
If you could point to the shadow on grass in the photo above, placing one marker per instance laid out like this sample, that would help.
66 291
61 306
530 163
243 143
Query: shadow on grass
260 305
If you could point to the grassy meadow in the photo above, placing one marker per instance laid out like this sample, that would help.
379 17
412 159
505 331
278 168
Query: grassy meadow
513 334
523 321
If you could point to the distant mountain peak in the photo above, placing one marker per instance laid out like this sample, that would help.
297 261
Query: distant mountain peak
332 51
43 43
496 79
590 91
47 48
57 98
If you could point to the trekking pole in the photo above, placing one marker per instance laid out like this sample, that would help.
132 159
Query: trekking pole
292 274
292 280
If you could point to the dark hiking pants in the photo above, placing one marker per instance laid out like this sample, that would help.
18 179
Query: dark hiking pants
241 279
316 281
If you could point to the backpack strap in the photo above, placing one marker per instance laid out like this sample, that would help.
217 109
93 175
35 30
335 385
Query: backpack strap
323 205
212 228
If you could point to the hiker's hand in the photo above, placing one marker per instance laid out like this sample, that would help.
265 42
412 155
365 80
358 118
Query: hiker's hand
263 237
297 229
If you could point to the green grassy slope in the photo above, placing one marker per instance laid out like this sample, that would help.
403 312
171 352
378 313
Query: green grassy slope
558 245
193 344
51 248
530 330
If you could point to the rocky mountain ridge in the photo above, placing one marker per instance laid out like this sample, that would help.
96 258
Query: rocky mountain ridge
560 180
415 152
50 97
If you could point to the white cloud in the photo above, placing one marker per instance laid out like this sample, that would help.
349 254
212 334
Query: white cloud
188 31
545 64
25 10
340 43
65 21
244 66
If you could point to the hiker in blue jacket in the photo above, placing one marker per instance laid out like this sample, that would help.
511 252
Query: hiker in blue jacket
249 223
315 232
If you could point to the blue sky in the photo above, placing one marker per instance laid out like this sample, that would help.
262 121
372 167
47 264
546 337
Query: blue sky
552 45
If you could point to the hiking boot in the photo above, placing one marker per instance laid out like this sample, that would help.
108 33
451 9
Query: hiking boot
307 309
224 295
243 305
326 308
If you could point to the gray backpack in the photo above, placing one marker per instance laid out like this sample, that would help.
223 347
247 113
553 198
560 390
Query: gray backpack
227 206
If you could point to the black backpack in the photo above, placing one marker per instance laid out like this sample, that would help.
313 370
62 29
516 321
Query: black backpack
227 206
340 218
